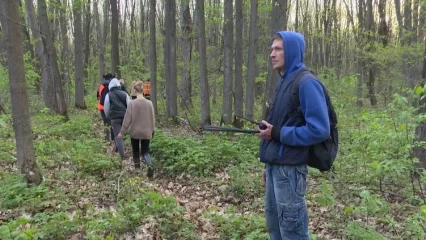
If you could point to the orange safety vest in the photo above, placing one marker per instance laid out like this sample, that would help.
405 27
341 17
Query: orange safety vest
101 88
146 88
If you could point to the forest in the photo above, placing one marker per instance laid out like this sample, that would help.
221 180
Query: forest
208 63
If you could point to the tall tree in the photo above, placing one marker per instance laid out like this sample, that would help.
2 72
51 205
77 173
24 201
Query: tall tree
422 20
115 57
107 23
205 102
46 74
420 152
186 52
170 58
370 39
228 39
399 19
278 22
78 55
251 60
408 21
18 91
86 33
100 40
59 104
142 31
239 42
153 54
65 51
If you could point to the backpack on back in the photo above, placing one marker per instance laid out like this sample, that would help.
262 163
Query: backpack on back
323 154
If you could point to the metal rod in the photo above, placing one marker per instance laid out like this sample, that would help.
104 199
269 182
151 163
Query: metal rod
225 129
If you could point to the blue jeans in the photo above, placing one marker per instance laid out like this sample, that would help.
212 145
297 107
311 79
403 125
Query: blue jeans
285 205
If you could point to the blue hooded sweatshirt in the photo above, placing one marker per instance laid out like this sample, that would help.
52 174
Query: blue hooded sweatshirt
292 136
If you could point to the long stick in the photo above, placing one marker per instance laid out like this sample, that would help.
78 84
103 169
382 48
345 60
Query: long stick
225 129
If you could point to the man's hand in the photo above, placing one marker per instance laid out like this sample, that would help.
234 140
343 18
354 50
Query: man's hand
120 135
265 134
264 176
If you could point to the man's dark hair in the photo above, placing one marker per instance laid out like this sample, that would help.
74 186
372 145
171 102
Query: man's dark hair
108 76
276 36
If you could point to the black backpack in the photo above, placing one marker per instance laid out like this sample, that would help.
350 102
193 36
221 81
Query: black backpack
323 154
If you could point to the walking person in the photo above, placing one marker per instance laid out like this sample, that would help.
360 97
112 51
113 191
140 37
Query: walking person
116 102
140 122
100 94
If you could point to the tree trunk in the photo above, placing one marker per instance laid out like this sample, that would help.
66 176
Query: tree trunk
20 109
420 152
100 40
422 21
316 41
399 19
228 39
170 58
361 61
238 101
416 4
65 51
115 57
278 22
59 106
142 34
408 23
251 61
186 51
78 56
205 102
87 22
26 34
370 39
153 54
107 25
46 74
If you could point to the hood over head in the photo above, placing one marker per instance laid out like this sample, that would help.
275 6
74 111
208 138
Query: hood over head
114 83
294 48
105 82
108 76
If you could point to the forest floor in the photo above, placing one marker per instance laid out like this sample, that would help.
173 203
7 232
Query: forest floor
88 193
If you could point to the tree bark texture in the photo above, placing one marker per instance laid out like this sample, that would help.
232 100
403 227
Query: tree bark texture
170 58
153 54
228 39
78 56
18 91
186 51
115 57
205 102
55 87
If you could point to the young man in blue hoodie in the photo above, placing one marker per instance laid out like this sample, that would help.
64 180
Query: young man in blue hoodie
285 142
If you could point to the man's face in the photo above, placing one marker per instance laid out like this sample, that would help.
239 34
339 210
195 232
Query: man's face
277 55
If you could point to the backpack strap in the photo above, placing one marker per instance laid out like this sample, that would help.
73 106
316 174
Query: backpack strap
294 98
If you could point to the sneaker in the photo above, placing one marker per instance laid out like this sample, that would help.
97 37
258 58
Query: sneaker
147 158
150 173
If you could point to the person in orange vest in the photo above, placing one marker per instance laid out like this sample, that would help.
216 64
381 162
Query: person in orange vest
101 93
146 89
133 94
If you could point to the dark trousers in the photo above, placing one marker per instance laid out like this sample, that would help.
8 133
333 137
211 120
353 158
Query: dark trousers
109 133
140 147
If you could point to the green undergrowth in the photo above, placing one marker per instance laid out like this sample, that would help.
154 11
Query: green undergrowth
376 192
204 155
84 192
